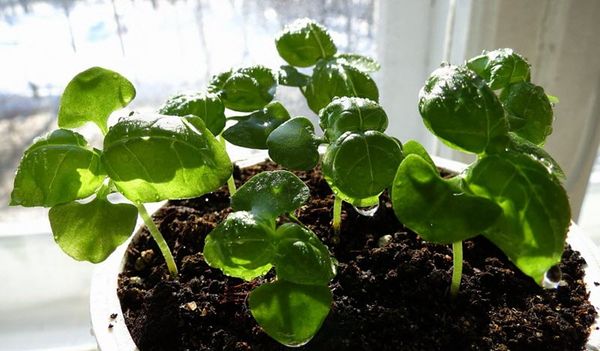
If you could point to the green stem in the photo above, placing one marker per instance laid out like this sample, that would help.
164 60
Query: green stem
230 181
337 214
160 240
457 261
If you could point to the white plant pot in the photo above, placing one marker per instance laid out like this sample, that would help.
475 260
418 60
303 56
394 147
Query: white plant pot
112 333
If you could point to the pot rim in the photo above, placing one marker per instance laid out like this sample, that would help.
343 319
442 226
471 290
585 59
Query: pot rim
112 333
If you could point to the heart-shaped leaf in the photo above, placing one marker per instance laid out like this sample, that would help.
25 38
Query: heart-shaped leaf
155 157
58 168
351 114
271 194
294 144
242 246
439 210
91 96
301 257
207 106
246 89
253 130
458 107
290 313
303 42
92 231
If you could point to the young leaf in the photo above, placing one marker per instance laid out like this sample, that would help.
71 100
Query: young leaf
246 89
439 210
155 157
92 231
301 257
500 68
413 147
361 165
290 313
207 106
294 144
242 246
92 96
271 194
461 109
331 79
351 114
360 62
303 42
58 168
290 76
529 111
526 147
252 131
536 213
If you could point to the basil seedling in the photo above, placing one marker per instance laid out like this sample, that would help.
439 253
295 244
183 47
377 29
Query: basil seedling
512 193
146 157
248 244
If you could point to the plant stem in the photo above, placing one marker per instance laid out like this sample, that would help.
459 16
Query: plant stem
230 181
337 214
457 261
160 240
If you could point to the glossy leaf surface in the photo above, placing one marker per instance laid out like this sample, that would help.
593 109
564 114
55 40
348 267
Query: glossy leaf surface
91 96
294 144
536 213
246 89
301 257
241 246
360 62
155 157
92 231
271 194
207 106
537 153
253 130
58 168
529 111
351 114
461 109
290 76
290 313
303 42
500 68
333 79
437 209
361 165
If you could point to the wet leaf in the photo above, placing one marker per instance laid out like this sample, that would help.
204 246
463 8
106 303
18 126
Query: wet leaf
303 42
253 130
294 144
207 106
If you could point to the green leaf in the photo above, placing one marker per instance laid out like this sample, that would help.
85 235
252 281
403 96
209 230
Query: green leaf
536 213
271 194
331 79
361 165
252 131
92 231
360 62
351 114
290 313
439 210
414 147
500 68
294 144
246 89
526 147
553 99
529 111
290 76
154 157
303 42
207 106
301 257
57 168
242 246
461 109
91 96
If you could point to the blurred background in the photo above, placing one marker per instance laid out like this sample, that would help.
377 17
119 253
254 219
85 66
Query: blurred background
166 46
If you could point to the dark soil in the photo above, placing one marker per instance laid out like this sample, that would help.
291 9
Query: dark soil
393 297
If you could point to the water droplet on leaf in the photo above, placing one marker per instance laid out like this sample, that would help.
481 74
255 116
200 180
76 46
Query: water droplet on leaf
367 211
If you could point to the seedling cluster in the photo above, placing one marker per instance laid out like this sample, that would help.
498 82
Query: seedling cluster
512 194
